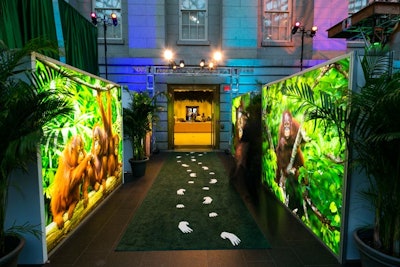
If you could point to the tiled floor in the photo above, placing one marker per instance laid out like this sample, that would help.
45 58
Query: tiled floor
94 242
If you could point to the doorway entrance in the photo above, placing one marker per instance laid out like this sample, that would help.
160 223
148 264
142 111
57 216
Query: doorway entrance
193 114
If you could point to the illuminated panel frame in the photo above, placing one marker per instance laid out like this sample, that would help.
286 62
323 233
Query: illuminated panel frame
84 89
316 195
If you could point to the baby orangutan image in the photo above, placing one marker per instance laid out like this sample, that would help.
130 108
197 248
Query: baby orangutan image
290 158
288 131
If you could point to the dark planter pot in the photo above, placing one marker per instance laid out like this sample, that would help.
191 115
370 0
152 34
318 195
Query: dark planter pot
370 257
14 245
138 167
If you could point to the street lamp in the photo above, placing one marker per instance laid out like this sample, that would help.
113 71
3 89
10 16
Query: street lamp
309 33
112 20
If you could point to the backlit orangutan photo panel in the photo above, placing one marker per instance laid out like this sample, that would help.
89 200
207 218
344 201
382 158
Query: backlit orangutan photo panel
81 153
304 147
239 117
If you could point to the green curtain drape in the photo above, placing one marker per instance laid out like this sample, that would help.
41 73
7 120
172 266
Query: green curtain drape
23 20
9 24
80 37
38 20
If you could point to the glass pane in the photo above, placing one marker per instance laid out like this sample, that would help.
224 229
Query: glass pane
278 5
201 18
185 18
185 32
193 4
356 5
193 33
110 4
202 33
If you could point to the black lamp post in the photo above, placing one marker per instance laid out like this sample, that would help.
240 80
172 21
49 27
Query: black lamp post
106 21
309 33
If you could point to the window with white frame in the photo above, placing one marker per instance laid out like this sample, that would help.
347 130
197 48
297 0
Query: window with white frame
103 10
193 20
277 21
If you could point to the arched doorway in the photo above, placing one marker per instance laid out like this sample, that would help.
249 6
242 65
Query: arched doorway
193 115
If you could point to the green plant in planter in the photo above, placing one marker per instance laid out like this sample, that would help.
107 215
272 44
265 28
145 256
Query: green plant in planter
138 117
25 109
376 141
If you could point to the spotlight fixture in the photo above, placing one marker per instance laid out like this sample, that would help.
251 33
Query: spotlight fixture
202 63
295 27
313 31
304 33
211 65
105 21
181 63
114 19
172 64
94 18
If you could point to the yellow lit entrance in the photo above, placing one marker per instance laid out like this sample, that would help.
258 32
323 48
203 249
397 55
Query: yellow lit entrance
193 112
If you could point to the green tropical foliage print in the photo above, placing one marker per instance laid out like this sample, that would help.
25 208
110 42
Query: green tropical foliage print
82 90
318 100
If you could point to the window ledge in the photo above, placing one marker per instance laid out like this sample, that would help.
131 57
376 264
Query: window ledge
191 42
110 41
277 43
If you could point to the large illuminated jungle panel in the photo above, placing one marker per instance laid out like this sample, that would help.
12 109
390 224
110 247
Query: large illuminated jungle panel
81 153
304 148
239 117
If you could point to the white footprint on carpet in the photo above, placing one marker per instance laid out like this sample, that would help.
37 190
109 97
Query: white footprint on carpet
189 170
206 188
178 157
207 200
178 161
191 182
193 174
185 165
213 181
212 214
199 162
232 237
181 192
205 168
183 226
193 159
180 206
212 173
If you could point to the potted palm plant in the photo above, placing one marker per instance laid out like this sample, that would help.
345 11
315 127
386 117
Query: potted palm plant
138 117
25 109
376 142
